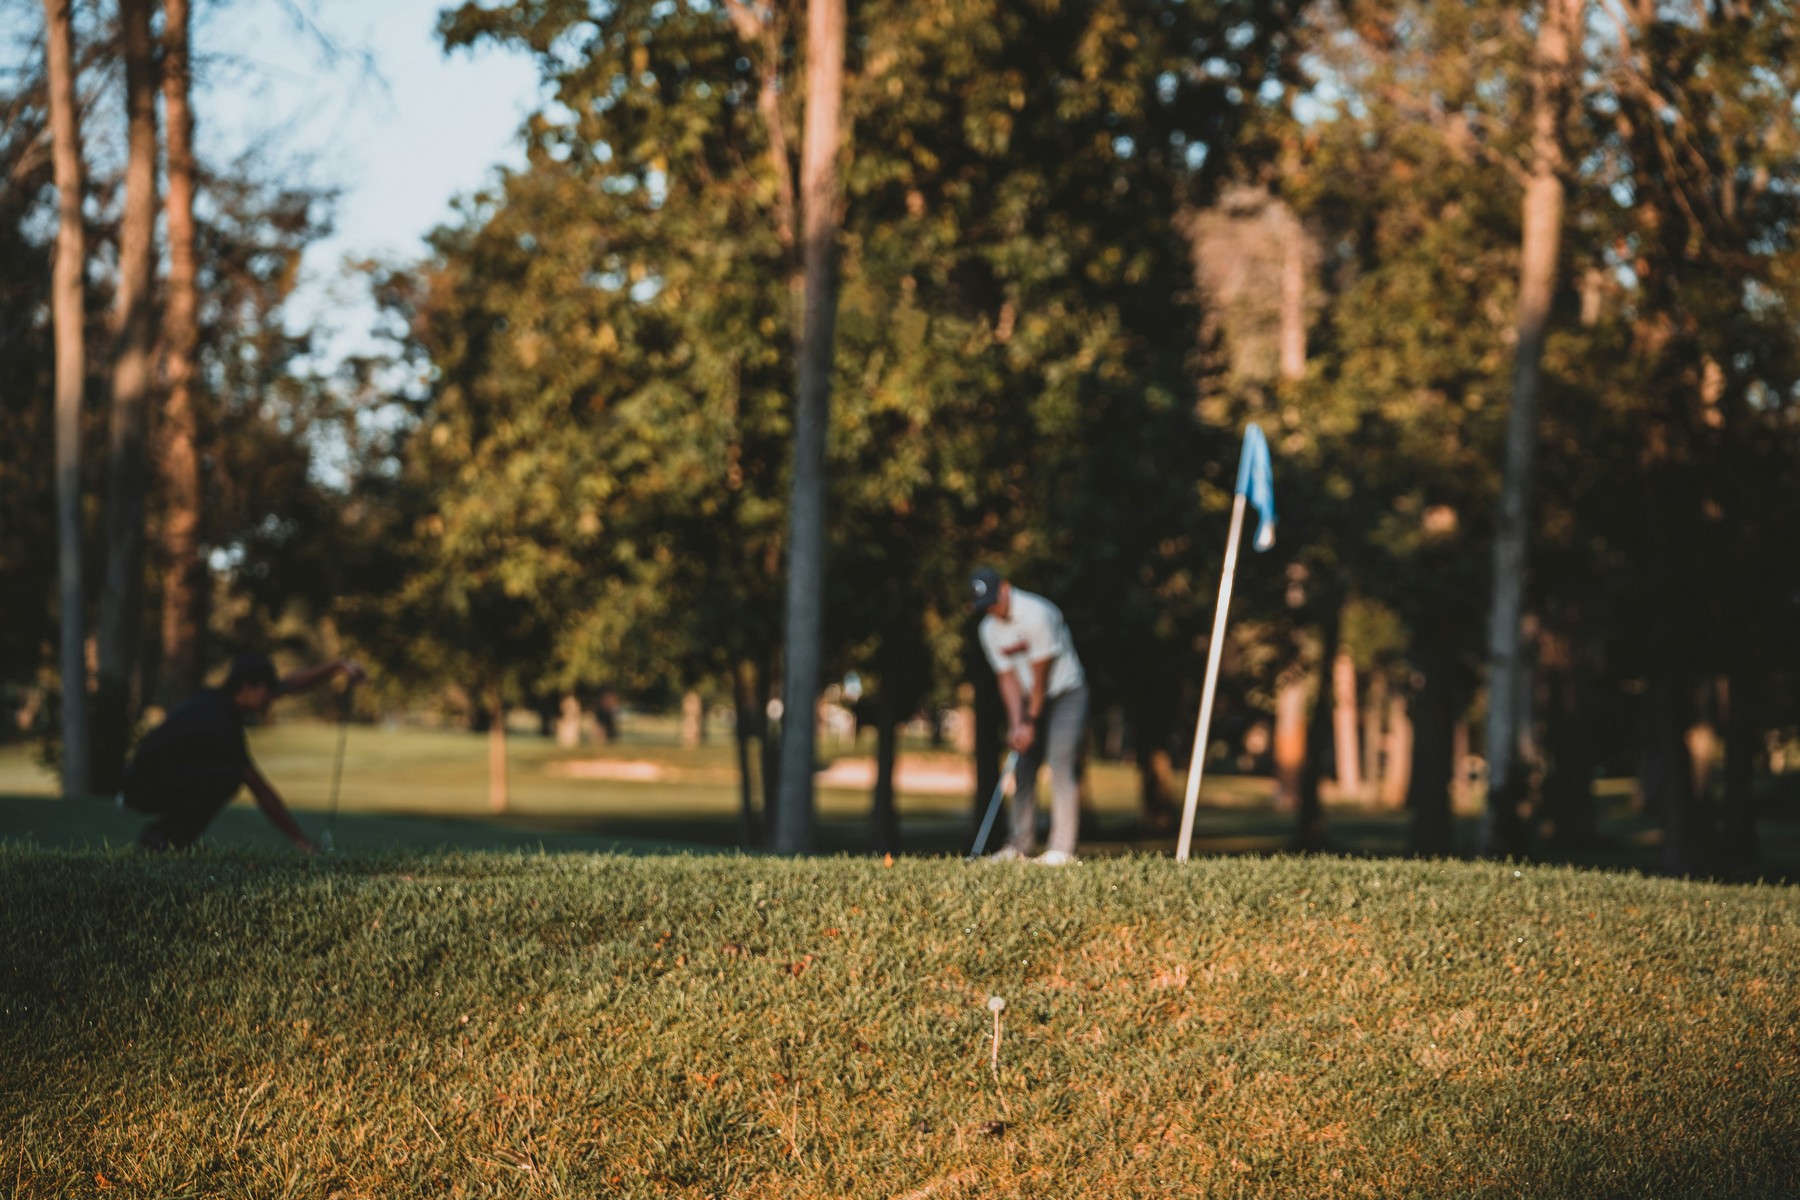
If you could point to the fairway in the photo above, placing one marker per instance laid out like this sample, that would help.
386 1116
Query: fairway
420 790
596 1025
410 790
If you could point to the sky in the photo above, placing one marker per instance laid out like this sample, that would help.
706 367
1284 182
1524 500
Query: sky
400 141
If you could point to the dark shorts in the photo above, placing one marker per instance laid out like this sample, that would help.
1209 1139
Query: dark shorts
184 801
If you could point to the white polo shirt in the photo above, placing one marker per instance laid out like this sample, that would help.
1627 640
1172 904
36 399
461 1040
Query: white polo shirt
1033 631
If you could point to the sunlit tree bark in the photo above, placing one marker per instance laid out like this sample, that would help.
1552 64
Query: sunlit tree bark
1559 39
67 314
178 454
820 191
121 599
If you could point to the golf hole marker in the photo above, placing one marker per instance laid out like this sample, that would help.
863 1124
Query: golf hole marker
995 1004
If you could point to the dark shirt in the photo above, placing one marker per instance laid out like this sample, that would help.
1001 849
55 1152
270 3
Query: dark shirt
199 747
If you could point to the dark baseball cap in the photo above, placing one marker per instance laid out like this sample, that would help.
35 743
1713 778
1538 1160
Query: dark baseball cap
984 588
250 670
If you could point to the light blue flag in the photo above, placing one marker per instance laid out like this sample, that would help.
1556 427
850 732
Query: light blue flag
1256 480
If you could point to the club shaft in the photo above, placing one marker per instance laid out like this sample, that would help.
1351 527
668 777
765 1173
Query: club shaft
993 809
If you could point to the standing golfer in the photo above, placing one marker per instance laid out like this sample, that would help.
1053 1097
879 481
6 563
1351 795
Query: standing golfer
1045 690
188 768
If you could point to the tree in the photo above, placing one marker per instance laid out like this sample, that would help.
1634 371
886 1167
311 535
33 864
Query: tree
1700 137
69 312
133 361
178 458
819 200
1009 304
1406 175
1561 24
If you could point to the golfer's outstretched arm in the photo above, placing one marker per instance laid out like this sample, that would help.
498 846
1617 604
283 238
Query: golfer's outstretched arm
312 677
269 801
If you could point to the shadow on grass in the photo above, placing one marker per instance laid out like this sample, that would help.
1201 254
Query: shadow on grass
1626 840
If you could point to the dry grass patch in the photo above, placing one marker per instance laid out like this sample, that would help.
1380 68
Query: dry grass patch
520 1026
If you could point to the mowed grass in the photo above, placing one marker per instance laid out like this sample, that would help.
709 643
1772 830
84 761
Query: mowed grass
598 1025
418 789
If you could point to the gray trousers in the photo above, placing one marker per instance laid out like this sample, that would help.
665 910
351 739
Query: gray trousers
1058 743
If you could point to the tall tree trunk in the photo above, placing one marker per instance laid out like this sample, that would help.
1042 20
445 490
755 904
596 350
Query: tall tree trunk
762 31
1737 832
1396 778
1667 773
770 733
179 453
498 797
68 313
806 542
1344 726
743 694
1459 763
1293 302
122 596
1559 39
1290 739
1310 828
1431 832
1374 710
693 719
1294 750
884 814
1150 719
1569 776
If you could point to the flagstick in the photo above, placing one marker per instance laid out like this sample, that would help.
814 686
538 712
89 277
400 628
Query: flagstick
1197 763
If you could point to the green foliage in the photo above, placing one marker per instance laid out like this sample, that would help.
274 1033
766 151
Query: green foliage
687 1027
1014 360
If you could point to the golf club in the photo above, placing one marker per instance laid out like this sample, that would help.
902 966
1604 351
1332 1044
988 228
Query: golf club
993 810
337 766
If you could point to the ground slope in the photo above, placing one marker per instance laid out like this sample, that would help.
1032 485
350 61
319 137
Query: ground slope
599 1025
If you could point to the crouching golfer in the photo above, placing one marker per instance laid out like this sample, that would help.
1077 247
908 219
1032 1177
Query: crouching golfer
188 768
1046 697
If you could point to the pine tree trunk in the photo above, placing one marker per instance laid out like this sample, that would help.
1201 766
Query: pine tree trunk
1149 721
1310 832
68 314
1559 39
770 731
743 694
1666 775
1431 833
1290 739
1737 840
1459 763
693 719
1568 780
1374 711
1344 726
122 596
1293 303
179 453
498 798
1396 779
806 543
884 813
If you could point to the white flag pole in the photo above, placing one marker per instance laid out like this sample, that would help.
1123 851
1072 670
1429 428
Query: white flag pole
1197 762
